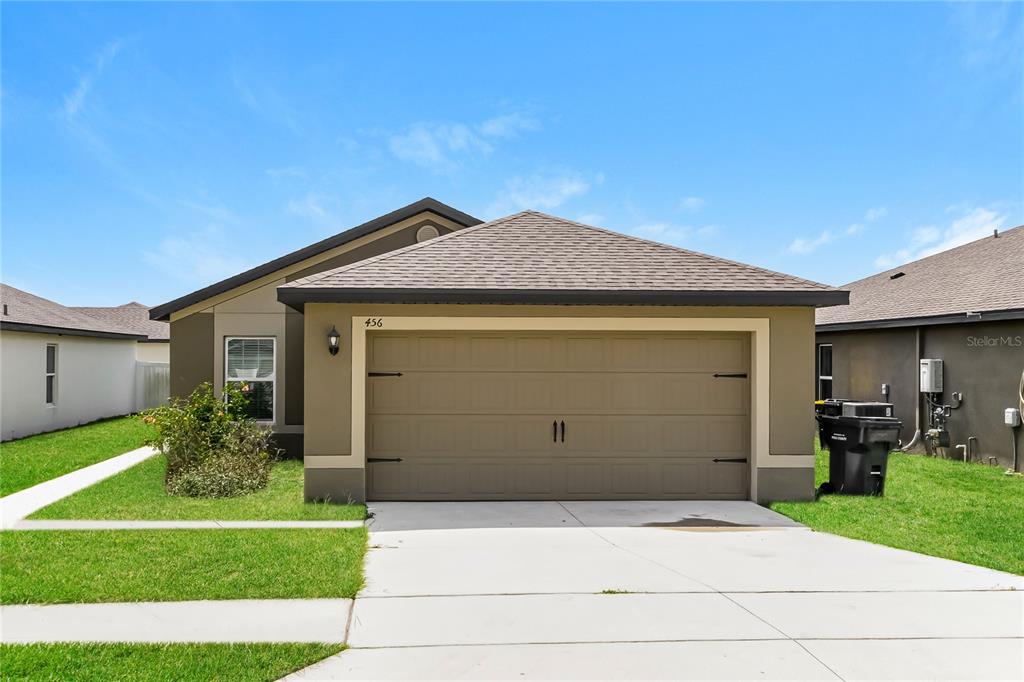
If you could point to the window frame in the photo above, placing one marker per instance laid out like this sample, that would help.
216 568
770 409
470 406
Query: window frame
818 393
273 372
47 374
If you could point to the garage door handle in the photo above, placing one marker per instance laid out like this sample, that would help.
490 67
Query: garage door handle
716 460
554 431
383 459
730 375
563 430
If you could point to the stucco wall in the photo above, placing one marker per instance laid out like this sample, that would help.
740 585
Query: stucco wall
328 402
153 351
95 379
982 360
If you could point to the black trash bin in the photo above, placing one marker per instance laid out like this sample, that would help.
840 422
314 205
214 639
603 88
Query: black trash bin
858 444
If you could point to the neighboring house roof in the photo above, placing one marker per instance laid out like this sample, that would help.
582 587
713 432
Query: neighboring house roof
985 276
133 316
163 311
22 311
532 257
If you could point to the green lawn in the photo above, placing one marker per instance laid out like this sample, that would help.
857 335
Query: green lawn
968 512
138 493
35 459
49 567
158 662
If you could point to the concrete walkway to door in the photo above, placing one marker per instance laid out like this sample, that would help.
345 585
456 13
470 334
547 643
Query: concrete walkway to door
662 590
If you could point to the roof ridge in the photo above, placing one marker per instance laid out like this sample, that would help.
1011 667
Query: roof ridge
945 252
690 252
397 252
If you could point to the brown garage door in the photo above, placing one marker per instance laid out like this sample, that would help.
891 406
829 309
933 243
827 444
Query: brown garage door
535 416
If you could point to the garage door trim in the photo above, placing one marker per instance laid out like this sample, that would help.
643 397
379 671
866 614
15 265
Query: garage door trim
759 329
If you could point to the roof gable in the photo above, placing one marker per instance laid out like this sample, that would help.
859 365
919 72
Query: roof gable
981 276
535 257
428 204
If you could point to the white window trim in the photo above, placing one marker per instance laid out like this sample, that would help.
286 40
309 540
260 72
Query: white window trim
273 373
46 374
817 368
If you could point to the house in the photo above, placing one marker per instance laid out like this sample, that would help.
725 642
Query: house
62 367
426 355
156 347
964 306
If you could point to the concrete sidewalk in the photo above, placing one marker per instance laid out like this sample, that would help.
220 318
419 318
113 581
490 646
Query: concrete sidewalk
17 506
242 620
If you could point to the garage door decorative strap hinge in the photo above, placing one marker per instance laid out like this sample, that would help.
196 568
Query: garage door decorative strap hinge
730 375
741 460
383 459
384 374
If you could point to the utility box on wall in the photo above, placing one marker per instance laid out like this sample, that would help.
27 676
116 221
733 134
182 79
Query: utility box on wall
931 376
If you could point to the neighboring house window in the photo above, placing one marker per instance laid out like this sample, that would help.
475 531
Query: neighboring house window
824 371
251 360
51 374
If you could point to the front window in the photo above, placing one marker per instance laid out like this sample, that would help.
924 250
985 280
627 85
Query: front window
250 361
51 374
824 371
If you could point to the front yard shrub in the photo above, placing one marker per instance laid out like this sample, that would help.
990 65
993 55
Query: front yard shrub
212 448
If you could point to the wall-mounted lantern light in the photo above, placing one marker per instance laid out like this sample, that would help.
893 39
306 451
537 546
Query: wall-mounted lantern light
333 340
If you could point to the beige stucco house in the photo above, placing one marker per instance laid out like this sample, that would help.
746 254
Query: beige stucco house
525 358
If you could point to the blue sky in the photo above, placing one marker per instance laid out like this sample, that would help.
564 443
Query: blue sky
149 150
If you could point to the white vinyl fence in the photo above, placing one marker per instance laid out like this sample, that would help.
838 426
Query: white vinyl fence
152 384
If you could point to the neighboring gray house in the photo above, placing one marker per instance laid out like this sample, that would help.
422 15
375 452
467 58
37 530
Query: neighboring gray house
964 306
61 367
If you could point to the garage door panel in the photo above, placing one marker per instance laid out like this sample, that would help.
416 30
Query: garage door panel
472 416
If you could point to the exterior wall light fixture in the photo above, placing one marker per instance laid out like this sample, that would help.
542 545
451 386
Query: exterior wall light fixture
333 340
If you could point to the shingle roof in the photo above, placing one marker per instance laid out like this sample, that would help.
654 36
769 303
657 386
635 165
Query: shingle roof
534 257
984 275
133 316
22 311
164 310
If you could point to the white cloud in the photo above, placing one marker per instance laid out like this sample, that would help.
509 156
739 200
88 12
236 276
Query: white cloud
540 191
670 233
854 229
75 99
973 224
875 214
808 245
591 219
197 258
440 146
216 212
310 206
692 204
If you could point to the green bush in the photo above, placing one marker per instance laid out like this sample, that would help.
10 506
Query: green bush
212 448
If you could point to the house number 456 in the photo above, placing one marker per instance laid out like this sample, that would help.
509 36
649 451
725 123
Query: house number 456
374 322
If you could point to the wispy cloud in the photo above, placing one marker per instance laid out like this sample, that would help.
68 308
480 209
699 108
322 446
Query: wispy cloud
972 224
75 99
670 233
990 33
541 191
310 206
692 204
197 258
440 147
803 246
264 99
590 219
213 211
875 214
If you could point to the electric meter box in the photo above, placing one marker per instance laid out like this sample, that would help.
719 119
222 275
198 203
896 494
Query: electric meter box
1011 417
931 376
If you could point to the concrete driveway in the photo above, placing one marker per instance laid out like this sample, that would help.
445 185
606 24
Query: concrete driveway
680 590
